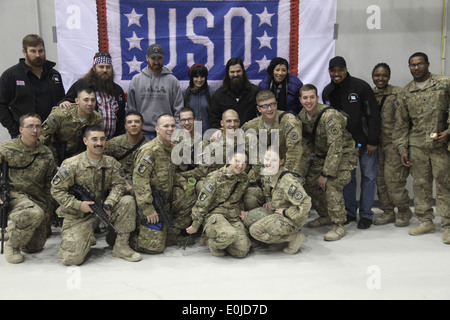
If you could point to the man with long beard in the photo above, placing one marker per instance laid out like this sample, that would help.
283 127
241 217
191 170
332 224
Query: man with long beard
110 96
31 86
236 93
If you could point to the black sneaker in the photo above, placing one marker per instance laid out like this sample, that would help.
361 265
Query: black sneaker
350 219
364 223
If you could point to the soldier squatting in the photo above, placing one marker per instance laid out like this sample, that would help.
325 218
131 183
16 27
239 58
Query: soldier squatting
255 182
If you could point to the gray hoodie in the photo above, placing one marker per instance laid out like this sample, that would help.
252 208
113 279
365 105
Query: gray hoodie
153 95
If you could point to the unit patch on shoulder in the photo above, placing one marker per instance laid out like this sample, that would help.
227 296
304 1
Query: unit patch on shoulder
208 187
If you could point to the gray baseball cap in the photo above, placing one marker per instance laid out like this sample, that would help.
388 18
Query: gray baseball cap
155 50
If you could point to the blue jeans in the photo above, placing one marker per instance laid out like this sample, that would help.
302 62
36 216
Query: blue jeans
368 166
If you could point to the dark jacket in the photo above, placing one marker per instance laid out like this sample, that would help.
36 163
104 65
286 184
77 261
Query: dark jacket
222 100
17 95
120 98
292 93
356 99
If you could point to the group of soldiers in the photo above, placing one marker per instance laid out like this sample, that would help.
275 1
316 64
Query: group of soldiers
251 183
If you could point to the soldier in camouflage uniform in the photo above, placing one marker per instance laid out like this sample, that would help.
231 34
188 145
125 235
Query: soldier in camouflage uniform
271 122
100 173
219 208
333 157
286 209
124 147
155 170
31 166
422 134
63 129
392 174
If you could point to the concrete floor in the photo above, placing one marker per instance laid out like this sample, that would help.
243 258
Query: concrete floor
382 262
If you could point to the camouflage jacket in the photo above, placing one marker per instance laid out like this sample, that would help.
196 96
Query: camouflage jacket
290 137
154 168
388 110
288 193
333 144
63 128
79 170
221 193
33 180
422 112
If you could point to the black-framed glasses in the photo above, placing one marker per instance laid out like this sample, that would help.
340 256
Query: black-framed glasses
186 120
269 105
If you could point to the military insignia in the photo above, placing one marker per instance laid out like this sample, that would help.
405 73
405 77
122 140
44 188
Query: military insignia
294 136
298 195
56 180
202 196
148 159
142 168
63 172
45 126
292 190
51 119
208 187
335 131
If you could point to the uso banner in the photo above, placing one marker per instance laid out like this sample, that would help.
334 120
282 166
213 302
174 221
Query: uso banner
209 32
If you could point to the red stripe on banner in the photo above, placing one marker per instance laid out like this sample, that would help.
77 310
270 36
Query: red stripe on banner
293 38
102 26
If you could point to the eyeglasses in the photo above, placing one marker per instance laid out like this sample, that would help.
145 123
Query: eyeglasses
31 128
269 105
186 120
420 65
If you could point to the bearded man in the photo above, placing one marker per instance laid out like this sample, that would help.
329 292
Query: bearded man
31 86
110 96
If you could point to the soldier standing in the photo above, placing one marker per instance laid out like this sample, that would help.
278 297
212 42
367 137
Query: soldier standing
422 134
220 209
286 209
63 129
155 171
333 159
100 173
392 174
30 169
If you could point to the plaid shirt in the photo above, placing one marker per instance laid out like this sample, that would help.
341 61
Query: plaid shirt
108 107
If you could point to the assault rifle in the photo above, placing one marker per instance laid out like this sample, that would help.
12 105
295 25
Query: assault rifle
83 193
5 196
159 198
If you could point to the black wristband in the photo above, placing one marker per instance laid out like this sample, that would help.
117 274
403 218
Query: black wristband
324 175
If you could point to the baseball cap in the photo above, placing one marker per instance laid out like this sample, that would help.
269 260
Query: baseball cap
155 50
337 61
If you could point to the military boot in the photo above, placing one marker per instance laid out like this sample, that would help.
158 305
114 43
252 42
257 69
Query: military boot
336 232
426 226
385 218
403 218
446 237
13 254
320 222
215 252
122 249
295 241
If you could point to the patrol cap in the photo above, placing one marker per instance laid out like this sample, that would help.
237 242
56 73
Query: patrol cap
337 61
155 50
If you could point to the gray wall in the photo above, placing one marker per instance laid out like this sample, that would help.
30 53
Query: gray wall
369 31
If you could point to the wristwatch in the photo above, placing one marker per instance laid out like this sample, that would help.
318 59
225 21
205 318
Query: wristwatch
107 206
324 175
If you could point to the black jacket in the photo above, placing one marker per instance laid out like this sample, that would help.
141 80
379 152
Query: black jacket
118 94
17 95
223 100
355 98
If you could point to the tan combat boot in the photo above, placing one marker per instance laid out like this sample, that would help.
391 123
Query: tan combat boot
319 222
215 252
13 254
446 237
426 226
385 218
295 241
403 218
337 232
122 249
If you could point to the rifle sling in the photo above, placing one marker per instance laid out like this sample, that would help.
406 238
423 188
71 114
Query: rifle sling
24 167
126 154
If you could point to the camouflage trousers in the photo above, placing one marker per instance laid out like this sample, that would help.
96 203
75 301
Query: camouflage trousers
391 180
150 239
329 202
78 232
426 165
272 227
228 235
28 227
